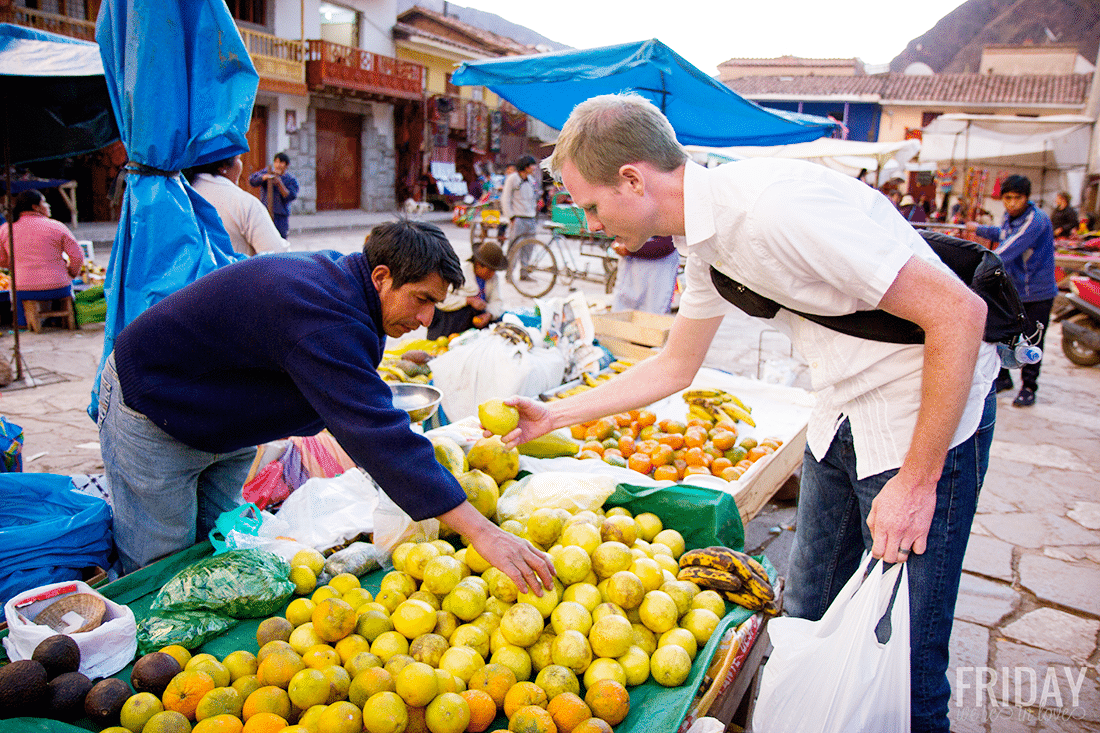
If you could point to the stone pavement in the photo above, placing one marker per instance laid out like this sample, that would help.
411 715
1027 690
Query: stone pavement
1024 647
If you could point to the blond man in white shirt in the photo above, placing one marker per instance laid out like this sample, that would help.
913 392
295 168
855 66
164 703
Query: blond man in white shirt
899 440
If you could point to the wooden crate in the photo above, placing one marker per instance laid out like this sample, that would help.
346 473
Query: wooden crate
626 350
751 495
637 327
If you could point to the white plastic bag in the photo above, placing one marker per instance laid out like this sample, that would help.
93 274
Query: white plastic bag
328 511
574 492
833 675
488 367
392 526
103 651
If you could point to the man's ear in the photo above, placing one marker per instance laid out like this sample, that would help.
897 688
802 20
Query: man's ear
632 175
379 276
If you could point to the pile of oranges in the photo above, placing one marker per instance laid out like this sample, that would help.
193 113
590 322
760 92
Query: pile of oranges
670 450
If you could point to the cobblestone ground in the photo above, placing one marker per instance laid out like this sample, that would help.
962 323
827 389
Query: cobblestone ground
1024 648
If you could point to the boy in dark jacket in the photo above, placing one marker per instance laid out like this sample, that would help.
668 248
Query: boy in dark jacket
1025 241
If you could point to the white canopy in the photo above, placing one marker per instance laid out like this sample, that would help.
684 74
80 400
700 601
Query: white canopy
1052 151
846 156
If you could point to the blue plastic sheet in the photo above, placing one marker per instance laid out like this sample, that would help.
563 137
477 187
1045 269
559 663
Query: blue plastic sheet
182 87
49 532
702 110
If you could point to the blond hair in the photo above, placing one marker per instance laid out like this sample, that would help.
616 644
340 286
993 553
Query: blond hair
607 132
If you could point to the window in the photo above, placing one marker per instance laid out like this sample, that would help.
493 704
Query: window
249 11
339 24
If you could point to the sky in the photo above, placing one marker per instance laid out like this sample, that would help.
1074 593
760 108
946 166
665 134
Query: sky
707 32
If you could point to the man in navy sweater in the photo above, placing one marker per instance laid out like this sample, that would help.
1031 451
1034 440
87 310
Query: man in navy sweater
1025 241
269 347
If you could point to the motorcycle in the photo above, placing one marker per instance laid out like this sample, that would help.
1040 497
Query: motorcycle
1079 313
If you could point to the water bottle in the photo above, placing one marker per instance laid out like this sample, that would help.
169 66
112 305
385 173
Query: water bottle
1014 357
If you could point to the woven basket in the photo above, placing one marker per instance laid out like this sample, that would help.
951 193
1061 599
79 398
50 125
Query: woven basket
89 607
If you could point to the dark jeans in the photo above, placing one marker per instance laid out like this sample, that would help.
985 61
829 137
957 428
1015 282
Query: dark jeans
282 224
444 323
832 535
1038 310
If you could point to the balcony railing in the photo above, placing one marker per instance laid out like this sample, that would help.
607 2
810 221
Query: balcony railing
370 74
52 22
279 61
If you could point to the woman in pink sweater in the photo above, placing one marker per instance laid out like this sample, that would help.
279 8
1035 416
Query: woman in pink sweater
41 271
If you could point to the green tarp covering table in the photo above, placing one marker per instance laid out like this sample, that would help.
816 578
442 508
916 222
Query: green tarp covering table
703 516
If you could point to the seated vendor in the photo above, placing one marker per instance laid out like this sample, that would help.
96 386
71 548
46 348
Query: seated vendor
47 255
477 303
187 393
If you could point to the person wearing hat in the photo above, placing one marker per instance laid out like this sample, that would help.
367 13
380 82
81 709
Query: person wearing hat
477 303
912 212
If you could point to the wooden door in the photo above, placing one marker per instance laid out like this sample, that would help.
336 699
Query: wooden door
339 156
256 157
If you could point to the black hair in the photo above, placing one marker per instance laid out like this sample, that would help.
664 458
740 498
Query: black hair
1016 184
413 250
283 157
214 168
26 201
525 161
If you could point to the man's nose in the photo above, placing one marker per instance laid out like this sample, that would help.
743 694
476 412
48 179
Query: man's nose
425 315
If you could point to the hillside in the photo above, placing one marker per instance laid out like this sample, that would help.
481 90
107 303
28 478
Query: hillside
486 21
955 43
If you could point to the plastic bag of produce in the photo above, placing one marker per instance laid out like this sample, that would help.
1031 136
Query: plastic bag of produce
848 671
358 558
574 492
189 629
239 584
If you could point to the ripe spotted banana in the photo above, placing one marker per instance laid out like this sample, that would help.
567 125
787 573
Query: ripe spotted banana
745 599
711 578
753 575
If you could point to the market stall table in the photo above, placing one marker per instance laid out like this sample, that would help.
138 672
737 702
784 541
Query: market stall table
704 516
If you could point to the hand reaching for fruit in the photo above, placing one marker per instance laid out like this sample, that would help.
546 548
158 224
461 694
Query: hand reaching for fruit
534 421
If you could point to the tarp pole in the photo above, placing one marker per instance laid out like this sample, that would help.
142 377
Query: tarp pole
11 238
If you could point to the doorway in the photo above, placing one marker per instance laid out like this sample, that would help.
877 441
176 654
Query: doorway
339 160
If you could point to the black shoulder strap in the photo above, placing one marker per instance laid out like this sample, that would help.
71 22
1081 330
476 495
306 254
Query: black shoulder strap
874 325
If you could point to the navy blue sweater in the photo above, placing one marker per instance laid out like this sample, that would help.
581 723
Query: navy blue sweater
275 346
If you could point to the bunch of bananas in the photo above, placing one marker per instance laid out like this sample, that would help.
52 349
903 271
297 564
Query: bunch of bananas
589 381
397 369
712 405
735 576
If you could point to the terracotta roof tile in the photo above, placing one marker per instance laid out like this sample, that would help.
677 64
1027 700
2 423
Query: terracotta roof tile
1065 90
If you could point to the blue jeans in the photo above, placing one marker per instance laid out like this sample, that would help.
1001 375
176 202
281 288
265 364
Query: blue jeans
165 494
832 534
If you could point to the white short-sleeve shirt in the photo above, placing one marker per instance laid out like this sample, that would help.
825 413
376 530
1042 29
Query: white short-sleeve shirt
819 242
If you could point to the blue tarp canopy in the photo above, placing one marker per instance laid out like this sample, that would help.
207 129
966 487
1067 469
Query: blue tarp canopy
55 101
182 86
702 110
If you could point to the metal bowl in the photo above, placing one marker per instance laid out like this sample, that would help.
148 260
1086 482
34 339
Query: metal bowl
419 400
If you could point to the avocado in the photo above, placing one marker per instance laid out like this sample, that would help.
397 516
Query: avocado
23 688
153 672
58 654
67 693
105 701
412 369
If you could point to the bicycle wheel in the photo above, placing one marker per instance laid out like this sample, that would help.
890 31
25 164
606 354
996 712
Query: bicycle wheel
477 233
532 267
611 271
